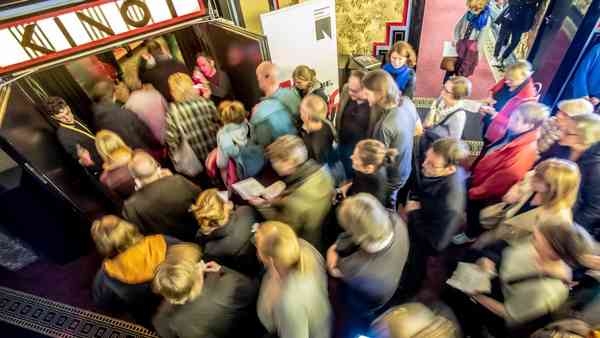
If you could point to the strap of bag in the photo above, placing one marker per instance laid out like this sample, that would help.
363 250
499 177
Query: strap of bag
469 31
447 117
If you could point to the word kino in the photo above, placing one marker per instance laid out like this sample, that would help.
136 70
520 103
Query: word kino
33 40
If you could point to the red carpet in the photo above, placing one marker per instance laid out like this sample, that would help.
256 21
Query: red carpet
438 26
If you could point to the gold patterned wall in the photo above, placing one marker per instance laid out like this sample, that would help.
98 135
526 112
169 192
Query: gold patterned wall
360 23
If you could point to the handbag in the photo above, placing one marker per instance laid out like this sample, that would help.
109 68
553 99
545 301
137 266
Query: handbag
449 63
468 54
491 216
184 158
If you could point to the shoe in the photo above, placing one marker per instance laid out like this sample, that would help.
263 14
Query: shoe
462 239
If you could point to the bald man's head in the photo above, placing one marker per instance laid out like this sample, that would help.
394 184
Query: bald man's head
143 167
267 74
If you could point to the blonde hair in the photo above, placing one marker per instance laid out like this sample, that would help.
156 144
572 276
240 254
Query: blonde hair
363 216
110 146
316 106
523 67
209 210
588 128
404 49
177 281
566 328
576 107
562 178
382 83
182 88
477 5
185 251
452 150
287 148
113 235
461 87
143 166
403 320
305 73
375 153
232 112
533 113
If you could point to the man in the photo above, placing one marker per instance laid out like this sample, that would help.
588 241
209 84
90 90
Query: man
149 106
586 82
276 114
74 136
502 164
352 119
109 115
307 198
159 66
162 200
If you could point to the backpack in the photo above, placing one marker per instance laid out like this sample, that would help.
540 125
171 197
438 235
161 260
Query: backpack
250 159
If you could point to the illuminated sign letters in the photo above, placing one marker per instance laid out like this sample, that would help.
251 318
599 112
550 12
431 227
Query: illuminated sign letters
50 36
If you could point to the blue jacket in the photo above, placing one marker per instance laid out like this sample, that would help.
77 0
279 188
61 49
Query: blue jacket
290 99
586 80
271 120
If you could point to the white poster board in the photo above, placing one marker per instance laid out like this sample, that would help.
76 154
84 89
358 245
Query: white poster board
304 34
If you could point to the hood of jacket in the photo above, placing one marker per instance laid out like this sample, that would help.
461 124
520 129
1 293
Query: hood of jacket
265 109
137 264
237 132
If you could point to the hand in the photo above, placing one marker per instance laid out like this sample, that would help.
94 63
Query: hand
594 100
489 101
85 159
412 205
258 201
487 265
206 92
332 259
212 267
489 110
512 196
344 189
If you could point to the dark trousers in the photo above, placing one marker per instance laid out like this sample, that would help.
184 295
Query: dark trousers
474 208
345 151
507 33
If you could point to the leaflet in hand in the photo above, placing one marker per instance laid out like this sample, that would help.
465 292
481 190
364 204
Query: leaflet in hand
472 106
251 188
449 50
470 278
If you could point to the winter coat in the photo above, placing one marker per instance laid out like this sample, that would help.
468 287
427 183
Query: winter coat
230 138
585 81
271 120
291 99
587 208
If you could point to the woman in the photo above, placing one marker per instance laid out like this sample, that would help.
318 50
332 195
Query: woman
532 281
516 88
293 299
191 118
548 193
447 116
413 320
115 156
568 328
369 256
369 161
553 128
402 61
305 82
125 277
395 122
317 132
225 231
468 36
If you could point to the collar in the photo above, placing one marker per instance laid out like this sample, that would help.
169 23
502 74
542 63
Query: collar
378 246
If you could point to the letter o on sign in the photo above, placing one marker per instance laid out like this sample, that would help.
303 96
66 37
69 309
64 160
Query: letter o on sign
143 21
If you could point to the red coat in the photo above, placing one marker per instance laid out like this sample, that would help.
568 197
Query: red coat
499 124
497 171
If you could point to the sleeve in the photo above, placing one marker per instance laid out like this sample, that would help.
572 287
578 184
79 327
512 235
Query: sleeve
226 149
495 186
580 79
410 85
161 325
456 124
263 134
142 129
292 320
532 300
587 209
101 294
172 137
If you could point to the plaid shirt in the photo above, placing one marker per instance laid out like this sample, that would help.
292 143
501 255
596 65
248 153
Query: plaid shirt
199 122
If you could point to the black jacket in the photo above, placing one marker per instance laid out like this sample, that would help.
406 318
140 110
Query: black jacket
127 125
162 207
587 208
69 139
220 311
519 15
158 75
373 184
442 205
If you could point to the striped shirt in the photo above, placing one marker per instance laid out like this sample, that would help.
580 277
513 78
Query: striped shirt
198 119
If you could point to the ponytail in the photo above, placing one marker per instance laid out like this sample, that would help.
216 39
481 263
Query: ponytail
390 156
375 153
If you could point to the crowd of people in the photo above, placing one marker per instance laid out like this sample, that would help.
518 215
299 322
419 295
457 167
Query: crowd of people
371 198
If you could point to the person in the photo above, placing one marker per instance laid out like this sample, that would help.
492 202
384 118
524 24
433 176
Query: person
115 156
201 300
225 230
396 120
583 141
190 117
566 328
506 96
74 136
160 65
278 112
502 164
317 132
231 138
306 83
533 278
352 119
124 279
160 204
469 34
413 320
109 115
447 111
216 79
308 195
584 83
148 105
369 160
548 193
293 299
402 60
517 19
368 257
435 208
553 127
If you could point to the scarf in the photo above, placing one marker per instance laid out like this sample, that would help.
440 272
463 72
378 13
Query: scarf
401 75
479 20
